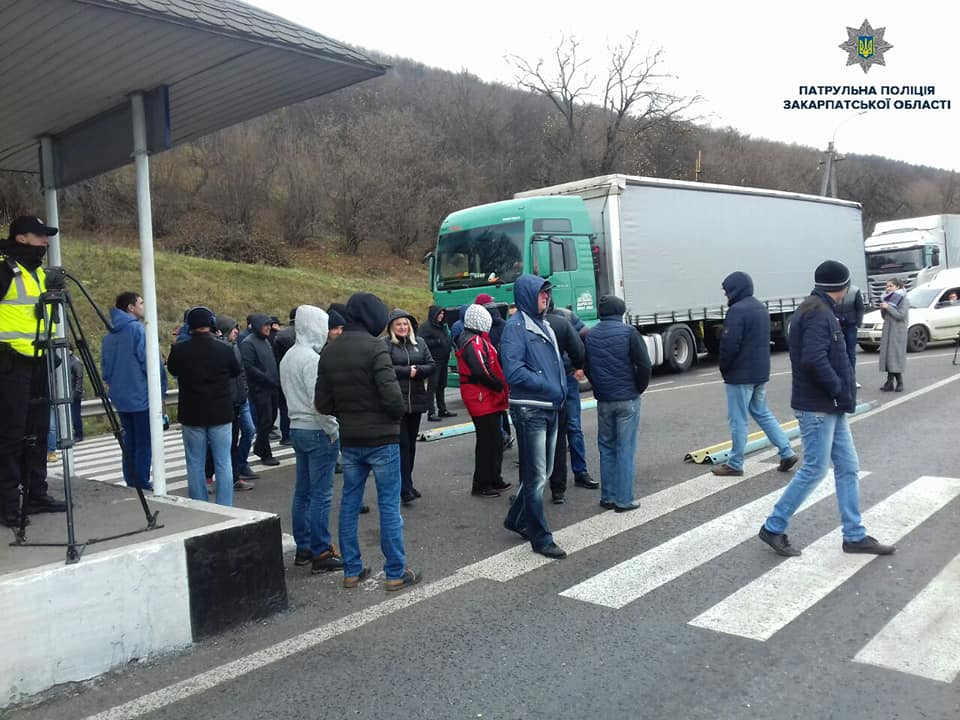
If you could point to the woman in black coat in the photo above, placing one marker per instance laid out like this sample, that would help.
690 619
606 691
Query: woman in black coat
414 365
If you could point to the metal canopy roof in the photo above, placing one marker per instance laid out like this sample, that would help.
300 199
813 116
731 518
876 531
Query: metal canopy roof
66 61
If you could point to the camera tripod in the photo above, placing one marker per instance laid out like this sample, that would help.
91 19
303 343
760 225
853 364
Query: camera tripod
55 306
956 349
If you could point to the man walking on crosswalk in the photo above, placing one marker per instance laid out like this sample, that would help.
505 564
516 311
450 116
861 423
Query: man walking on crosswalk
824 390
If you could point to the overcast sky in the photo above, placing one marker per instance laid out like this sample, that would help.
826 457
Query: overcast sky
744 57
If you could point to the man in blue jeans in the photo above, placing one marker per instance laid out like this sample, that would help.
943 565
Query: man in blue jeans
538 386
316 442
204 367
123 364
824 390
745 367
357 384
618 366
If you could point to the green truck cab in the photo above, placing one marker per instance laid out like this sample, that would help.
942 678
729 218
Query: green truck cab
484 249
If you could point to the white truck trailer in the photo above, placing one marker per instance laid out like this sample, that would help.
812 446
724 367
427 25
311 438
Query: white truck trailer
665 246
913 250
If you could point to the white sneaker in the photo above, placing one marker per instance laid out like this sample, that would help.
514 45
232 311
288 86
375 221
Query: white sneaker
859 386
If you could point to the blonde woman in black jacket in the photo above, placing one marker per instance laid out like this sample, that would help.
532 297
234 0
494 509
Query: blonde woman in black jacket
414 366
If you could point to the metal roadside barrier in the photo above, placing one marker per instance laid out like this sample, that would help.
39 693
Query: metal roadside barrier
94 408
465 428
718 454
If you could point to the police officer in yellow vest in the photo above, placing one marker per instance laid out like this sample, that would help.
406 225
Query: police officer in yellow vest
24 395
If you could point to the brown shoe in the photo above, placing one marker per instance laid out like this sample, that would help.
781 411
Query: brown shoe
725 470
352 582
409 578
327 561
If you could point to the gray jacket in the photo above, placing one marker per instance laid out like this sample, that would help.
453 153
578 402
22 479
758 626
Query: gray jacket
893 341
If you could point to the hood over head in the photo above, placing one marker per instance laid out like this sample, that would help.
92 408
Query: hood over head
312 328
737 285
367 312
478 319
526 290
225 324
611 306
257 321
433 312
397 314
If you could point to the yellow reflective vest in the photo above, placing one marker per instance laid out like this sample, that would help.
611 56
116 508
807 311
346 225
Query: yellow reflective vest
18 309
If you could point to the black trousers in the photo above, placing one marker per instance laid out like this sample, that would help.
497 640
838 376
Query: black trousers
234 448
24 422
558 478
409 430
488 452
266 402
436 389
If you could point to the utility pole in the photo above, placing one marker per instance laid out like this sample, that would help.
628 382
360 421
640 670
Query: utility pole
831 158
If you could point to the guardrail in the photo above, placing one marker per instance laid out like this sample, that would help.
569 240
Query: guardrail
94 408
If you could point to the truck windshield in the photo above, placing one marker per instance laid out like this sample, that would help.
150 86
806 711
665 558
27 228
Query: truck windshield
892 261
482 256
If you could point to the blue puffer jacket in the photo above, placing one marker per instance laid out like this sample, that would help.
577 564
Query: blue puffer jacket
745 340
528 351
123 363
823 379
618 364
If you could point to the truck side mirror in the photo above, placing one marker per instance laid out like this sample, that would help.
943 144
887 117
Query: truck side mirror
430 261
935 257
542 262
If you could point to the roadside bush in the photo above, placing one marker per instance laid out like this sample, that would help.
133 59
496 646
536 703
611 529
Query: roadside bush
210 239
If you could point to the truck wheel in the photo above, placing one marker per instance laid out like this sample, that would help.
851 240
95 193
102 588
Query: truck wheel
782 342
917 339
711 342
679 348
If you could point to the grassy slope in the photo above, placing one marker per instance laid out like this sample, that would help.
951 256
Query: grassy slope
228 288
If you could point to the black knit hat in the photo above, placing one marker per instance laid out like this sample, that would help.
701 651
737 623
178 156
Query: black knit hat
831 276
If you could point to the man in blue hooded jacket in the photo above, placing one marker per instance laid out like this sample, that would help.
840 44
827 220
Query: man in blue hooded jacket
745 367
538 387
123 364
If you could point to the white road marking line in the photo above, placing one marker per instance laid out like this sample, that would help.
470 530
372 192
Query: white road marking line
924 638
519 560
774 600
632 579
158 699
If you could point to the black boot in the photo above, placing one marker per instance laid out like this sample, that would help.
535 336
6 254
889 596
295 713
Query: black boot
899 379
888 385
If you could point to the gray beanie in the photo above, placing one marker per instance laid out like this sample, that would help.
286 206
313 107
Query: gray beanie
477 318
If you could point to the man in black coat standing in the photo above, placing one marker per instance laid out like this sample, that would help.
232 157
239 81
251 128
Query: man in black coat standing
745 367
205 369
263 379
437 336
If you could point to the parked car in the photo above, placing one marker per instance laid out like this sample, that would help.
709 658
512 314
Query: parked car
934 315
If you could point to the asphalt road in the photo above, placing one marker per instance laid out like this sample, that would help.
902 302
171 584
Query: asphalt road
675 611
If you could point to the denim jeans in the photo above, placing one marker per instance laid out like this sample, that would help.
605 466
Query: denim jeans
196 439
384 461
826 437
617 424
136 449
247 430
578 449
536 430
752 399
316 457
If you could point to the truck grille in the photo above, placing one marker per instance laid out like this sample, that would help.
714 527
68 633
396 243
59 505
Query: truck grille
878 286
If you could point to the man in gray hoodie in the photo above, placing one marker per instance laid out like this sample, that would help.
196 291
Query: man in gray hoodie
316 442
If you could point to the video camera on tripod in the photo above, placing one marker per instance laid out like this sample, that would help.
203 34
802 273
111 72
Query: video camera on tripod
55 307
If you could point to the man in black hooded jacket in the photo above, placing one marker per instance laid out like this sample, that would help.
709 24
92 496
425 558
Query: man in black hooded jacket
263 380
436 334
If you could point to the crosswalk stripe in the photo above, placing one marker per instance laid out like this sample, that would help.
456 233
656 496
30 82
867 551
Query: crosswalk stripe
772 601
634 578
518 560
924 638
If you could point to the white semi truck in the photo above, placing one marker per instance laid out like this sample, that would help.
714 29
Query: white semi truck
665 246
913 250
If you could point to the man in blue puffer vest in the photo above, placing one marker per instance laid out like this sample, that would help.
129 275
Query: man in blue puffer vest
745 367
538 387
618 366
